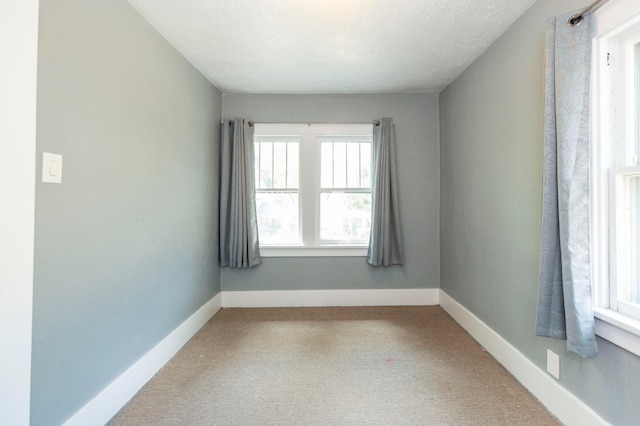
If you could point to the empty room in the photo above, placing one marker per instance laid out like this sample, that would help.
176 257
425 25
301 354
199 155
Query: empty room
320 212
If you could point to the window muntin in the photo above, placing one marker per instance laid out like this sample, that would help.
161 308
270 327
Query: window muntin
345 162
323 198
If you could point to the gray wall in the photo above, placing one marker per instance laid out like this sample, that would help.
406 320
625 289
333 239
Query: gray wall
491 150
416 118
126 247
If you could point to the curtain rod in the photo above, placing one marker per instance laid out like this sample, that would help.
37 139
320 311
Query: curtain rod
251 123
576 19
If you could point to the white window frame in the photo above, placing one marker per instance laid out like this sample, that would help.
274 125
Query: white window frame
310 136
619 328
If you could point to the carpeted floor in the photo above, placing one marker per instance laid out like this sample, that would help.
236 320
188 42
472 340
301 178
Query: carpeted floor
333 366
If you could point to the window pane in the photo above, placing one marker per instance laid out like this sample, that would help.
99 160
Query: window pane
353 165
345 165
266 165
279 165
326 164
339 165
345 216
629 235
636 125
277 217
365 165
293 168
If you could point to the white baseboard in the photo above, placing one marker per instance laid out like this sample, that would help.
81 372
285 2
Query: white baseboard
111 399
559 401
309 298
562 403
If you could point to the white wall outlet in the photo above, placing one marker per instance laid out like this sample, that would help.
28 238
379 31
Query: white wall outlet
553 364
51 168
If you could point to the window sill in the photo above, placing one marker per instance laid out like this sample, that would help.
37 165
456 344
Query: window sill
619 329
316 251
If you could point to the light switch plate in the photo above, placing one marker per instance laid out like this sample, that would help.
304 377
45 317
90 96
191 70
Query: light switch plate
51 168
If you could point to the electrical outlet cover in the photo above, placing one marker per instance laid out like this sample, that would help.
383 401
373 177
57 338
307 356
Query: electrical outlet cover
553 364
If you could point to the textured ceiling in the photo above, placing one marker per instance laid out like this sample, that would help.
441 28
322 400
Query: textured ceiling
331 46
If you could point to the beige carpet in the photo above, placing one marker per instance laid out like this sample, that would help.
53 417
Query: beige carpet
333 366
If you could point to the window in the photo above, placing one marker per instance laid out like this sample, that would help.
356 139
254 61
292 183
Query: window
278 189
615 173
313 188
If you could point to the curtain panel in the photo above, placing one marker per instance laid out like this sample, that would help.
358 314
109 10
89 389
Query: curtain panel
239 247
564 308
385 242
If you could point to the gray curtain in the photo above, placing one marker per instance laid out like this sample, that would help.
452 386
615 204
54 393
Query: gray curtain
564 295
385 242
239 246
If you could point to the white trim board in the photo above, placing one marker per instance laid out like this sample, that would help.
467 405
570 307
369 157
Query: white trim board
115 396
562 403
18 85
318 298
558 400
